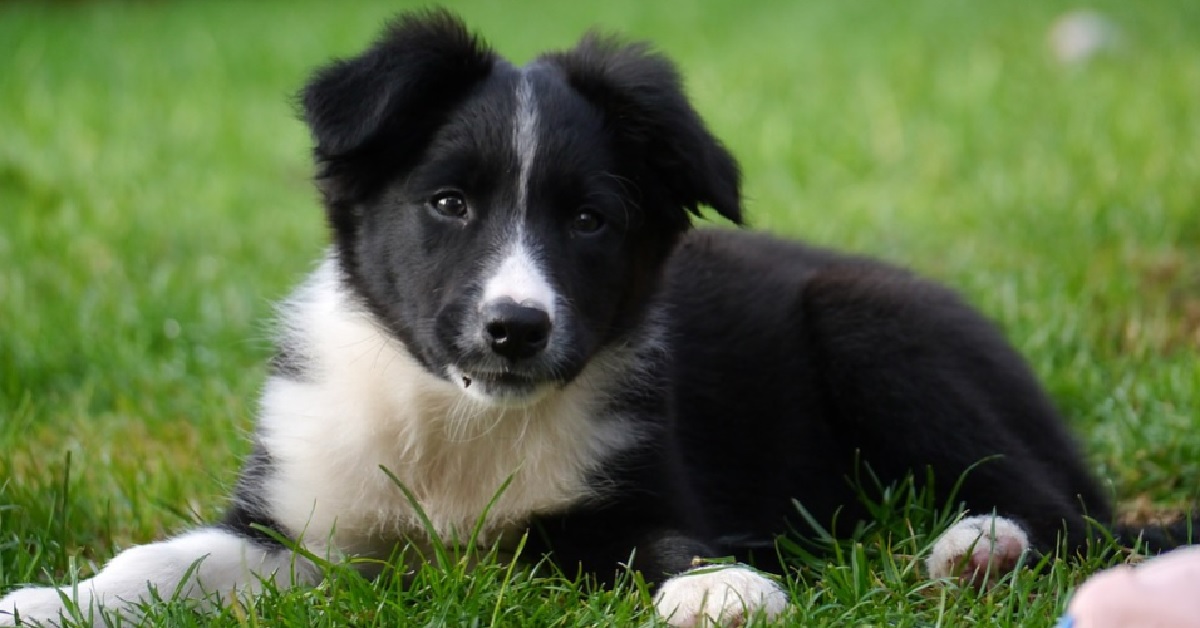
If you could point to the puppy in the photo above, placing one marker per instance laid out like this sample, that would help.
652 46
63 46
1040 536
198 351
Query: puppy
514 328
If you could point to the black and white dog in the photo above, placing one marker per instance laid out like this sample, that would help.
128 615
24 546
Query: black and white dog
513 296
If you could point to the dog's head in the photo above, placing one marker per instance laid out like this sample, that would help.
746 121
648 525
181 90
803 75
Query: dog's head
507 223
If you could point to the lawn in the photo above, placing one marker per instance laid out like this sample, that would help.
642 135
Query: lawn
155 201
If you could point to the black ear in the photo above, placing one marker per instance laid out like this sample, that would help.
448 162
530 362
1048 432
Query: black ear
385 104
641 95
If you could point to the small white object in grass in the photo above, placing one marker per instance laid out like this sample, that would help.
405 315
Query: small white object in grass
1078 36
719 596
983 547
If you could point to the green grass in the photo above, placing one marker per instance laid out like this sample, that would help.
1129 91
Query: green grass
154 201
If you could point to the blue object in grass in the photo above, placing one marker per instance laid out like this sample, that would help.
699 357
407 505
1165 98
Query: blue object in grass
1065 622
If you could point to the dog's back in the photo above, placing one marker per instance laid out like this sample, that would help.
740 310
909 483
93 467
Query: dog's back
800 370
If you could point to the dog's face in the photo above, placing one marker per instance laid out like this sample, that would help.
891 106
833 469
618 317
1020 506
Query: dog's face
508 223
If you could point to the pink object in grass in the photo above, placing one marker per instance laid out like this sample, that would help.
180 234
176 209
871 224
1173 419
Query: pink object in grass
1163 592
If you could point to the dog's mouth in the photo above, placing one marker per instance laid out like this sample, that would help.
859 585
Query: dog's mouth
505 387
513 380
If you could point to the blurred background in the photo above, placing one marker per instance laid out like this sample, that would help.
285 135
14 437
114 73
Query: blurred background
1041 156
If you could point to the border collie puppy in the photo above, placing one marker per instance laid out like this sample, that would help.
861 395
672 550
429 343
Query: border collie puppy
513 300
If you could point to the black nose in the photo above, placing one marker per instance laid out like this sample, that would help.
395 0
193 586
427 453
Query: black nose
515 331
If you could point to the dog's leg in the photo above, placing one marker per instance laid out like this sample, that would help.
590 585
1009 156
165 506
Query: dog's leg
915 380
638 535
981 549
719 595
694 593
199 564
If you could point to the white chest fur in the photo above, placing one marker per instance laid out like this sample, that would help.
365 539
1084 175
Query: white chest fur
367 403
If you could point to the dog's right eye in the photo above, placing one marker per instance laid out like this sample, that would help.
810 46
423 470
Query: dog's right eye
449 204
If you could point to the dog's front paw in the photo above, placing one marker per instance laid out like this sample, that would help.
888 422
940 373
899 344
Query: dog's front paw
37 606
718 596
980 549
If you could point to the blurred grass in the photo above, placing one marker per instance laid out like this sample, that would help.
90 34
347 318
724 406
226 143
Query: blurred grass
154 201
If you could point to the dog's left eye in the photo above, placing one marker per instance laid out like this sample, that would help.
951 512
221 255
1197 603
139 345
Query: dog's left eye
586 222
449 204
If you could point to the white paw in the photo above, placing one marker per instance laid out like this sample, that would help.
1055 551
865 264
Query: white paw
37 606
718 596
980 549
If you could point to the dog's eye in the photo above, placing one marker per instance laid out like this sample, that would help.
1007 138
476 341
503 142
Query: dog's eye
586 222
450 204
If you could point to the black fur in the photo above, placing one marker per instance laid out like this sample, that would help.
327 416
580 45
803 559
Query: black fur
865 364
246 515
659 134
289 361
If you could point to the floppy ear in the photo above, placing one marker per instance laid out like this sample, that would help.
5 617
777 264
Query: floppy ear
642 97
372 114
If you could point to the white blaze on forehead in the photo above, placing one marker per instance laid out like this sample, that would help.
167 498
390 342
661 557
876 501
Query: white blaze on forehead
525 141
519 278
